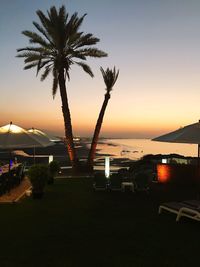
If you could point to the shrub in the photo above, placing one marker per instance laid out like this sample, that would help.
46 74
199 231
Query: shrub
38 175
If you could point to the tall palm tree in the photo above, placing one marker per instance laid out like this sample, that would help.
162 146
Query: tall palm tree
110 77
58 45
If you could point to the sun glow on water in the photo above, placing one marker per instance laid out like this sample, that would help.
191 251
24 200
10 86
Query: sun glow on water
137 148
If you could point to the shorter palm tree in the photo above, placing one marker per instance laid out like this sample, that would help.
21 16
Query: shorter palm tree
110 77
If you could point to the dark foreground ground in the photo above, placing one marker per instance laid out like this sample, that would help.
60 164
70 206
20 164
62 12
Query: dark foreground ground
74 226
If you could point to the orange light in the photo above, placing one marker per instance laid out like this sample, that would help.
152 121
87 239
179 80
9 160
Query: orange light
71 156
163 172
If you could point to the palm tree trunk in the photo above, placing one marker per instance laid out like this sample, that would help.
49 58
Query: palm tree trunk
67 121
92 151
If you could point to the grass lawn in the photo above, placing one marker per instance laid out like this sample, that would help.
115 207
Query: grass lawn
74 226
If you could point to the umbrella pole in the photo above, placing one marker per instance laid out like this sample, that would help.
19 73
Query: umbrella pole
198 151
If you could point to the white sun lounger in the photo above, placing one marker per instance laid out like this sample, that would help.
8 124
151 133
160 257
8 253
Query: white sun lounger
192 213
189 209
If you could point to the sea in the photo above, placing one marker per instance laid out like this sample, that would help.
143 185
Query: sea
134 149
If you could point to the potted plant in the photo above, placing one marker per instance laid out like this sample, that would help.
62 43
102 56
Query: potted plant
38 175
53 170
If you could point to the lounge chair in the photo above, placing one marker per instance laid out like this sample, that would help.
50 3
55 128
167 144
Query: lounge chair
141 181
125 179
115 182
192 202
192 213
124 175
100 182
188 208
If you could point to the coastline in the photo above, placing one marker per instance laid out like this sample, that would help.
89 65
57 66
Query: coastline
60 154
122 152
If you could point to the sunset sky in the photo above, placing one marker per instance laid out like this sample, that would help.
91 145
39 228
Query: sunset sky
154 43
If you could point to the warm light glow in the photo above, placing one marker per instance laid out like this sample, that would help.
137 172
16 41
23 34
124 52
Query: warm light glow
71 156
163 172
107 167
37 132
50 158
11 128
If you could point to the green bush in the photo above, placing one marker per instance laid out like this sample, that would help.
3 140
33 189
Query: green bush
38 175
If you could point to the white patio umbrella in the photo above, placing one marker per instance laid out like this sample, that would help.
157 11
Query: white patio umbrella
40 134
13 136
189 134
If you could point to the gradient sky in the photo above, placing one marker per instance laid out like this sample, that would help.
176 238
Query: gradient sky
154 43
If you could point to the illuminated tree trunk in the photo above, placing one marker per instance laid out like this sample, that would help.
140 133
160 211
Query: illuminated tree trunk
92 151
67 121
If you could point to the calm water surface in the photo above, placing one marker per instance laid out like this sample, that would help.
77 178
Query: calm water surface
136 148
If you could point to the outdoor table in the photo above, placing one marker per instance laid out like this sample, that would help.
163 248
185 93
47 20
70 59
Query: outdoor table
5 168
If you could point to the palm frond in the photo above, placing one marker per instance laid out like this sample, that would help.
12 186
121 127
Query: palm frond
44 20
92 52
85 40
110 77
32 58
55 82
35 38
43 63
63 15
43 31
39 65
86 68
71 29
55 87
29 66
52 13
77 22
75 54
33 49
28 54
67 73
45 73
73 38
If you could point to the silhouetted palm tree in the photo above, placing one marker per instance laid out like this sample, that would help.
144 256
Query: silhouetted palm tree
59 45
110 77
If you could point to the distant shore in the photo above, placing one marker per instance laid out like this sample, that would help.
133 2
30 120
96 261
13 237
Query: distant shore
60 154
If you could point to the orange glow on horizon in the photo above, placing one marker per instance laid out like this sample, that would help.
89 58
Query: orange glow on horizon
131 122
85 127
